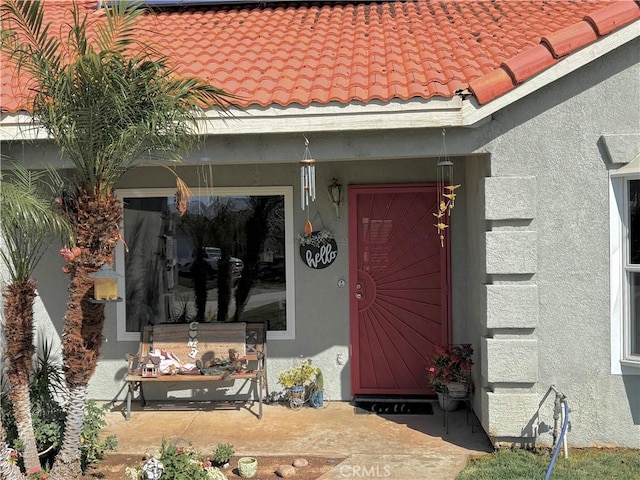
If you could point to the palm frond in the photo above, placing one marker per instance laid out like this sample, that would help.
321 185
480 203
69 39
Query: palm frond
120 29
113 102
26 38
27 220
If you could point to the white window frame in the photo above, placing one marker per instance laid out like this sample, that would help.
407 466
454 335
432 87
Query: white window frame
619 244
286 191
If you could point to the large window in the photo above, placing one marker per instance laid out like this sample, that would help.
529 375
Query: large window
632 270
625 270
229 257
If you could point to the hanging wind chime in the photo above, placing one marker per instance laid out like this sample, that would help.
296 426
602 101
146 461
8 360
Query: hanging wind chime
445 191
307 183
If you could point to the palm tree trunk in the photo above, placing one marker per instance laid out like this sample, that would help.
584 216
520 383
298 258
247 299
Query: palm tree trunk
21 401
18 332
67 464
95 222
81 339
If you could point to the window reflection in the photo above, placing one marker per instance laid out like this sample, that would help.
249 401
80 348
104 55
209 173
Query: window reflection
223 260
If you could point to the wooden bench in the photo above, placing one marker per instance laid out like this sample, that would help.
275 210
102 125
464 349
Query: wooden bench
215 341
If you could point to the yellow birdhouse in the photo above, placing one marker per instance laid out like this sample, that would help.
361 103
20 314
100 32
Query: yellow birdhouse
105 284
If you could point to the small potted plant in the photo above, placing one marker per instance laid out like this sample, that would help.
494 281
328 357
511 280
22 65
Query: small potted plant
296 380
450 370
222 454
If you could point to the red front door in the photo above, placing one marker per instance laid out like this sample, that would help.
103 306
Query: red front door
399 284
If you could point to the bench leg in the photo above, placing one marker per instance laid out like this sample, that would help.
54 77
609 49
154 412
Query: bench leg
260 386
133 386
127 415
143 401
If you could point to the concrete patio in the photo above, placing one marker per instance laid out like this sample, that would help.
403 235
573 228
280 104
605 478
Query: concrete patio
396 447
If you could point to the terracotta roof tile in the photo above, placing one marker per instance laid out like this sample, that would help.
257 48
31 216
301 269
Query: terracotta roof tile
491 85
607 19
528 63
333 52
568 39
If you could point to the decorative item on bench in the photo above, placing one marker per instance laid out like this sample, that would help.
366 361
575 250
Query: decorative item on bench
169 362
225 367
149 366
192 342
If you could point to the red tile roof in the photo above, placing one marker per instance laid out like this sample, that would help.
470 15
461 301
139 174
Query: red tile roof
321 52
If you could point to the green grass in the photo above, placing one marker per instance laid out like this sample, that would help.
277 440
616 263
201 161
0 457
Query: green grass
582 464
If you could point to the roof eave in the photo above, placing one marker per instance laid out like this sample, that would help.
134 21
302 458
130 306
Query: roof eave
474 114
436 112
414 113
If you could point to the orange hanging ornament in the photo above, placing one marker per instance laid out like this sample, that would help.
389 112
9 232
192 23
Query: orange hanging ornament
308 228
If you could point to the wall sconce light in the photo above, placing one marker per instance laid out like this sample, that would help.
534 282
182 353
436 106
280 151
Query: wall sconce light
105 285
335 194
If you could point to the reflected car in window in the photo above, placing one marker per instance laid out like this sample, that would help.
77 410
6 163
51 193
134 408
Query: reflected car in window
211 256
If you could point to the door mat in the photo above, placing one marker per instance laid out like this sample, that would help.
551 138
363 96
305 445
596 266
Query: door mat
394 406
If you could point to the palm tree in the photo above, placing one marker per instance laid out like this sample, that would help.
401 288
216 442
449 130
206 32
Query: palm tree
108 102
26 221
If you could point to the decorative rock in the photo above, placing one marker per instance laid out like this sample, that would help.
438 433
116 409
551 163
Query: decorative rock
285 471
300 462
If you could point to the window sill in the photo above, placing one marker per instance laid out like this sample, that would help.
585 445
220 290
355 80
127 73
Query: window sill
631 363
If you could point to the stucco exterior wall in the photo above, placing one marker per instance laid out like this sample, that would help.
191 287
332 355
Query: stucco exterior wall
530 250
548 259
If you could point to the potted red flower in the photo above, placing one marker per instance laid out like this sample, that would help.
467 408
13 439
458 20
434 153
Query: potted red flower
450 370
